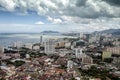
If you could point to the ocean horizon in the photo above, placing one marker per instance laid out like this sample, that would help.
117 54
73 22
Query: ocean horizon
7 39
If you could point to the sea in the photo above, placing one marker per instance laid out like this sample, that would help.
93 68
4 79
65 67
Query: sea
7 39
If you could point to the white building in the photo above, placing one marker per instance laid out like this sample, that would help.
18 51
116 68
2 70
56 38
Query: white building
28 45
68 45
27 56
81 35
69 64
49 46
41 39
18 44
1 49
36 47
79 53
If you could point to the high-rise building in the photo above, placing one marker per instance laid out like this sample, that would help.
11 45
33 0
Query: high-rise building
69 64
81 35
79 53
49 46
41 39
1 49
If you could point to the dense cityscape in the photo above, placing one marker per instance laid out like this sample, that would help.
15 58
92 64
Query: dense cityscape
93 56
59 39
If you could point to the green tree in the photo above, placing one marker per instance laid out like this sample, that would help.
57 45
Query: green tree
18 63
73 78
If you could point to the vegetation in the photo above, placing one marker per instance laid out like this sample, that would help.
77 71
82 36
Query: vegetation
18 63
94 72
2 78
62 67
73 78
36 54
119 39
108 60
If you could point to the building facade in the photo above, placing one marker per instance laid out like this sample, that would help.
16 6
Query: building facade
49 46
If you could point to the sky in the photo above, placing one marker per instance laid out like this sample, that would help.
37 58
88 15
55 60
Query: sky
59 15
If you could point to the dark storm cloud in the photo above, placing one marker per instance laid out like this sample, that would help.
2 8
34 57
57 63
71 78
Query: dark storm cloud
90 9
113 2
80 3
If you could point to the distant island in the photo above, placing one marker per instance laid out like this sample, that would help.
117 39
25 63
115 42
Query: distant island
114 32
45 32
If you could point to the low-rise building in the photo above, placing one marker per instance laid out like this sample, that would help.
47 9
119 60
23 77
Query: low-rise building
114 50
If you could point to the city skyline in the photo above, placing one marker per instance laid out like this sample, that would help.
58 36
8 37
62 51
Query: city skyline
62 15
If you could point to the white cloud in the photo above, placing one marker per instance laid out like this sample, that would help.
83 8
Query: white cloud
50 18
39 22
95 14
9 5
78 8
64 28
57 21
54 20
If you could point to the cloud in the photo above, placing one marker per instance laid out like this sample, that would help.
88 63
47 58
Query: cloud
16 27
93 13
39 23
113 2
54 20
93 26
9 5
81 3
78 8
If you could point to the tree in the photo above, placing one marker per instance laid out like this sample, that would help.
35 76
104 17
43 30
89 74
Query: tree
2 78
73 78
63 67
18 63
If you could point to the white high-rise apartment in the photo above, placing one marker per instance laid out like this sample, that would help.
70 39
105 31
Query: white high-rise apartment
69 64
49 46
79 53
18 44
41 39
1 49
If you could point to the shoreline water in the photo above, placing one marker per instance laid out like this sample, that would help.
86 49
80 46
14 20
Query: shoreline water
9 38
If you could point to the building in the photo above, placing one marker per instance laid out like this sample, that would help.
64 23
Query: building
49 46
1 49
87 60
68 45
36 47
60 44
114 50
116 43
41 39
116 62
69 64
106 54
79 53
94 38
27 56
18 44
81 35
29 45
